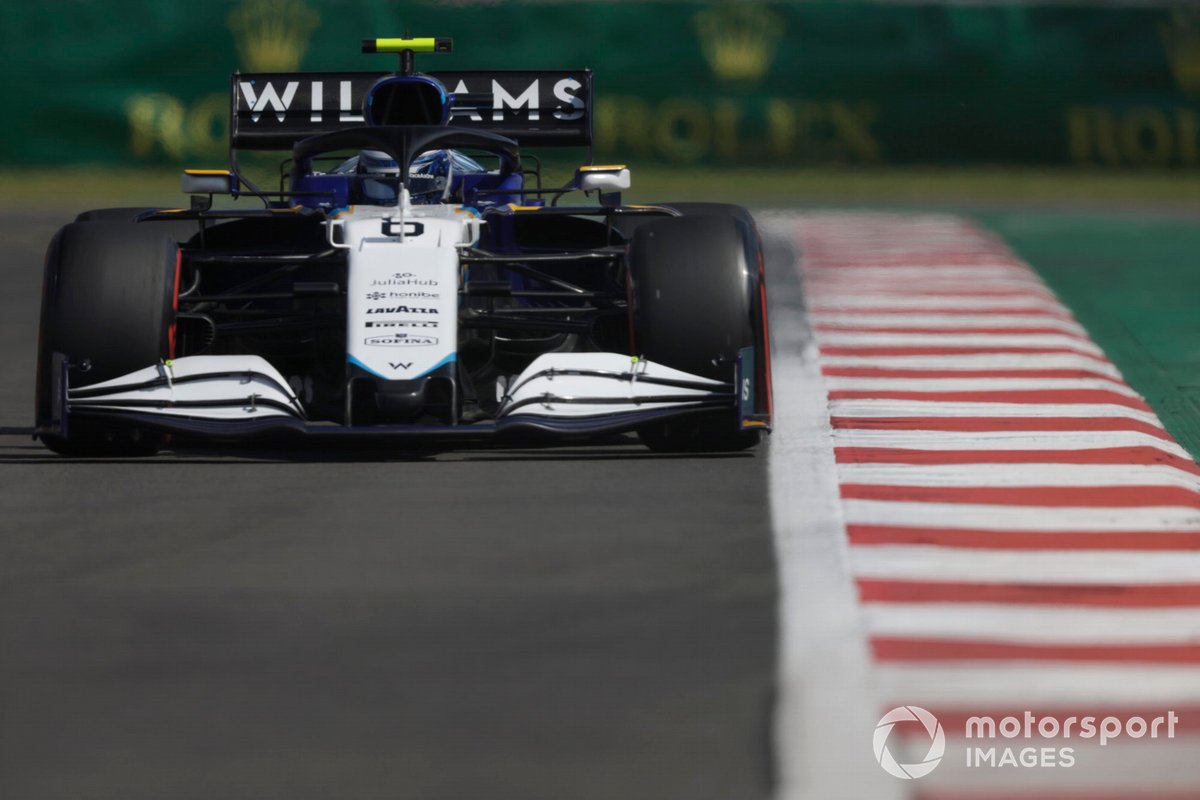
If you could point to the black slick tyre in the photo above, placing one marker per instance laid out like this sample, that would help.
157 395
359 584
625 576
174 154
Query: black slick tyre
124 214
108 306
693 289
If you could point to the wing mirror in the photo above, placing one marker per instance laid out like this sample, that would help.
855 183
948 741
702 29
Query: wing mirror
605 179
209 181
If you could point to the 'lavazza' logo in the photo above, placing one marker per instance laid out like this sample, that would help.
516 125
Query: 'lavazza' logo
937 742
401 310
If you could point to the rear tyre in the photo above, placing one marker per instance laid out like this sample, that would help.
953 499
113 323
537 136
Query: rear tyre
108 305
693 290
182 230
714 210
125 214
628 224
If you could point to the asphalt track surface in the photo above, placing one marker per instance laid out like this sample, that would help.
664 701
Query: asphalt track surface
568 623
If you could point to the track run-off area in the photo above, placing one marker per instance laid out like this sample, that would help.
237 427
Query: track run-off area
1018 533
964 508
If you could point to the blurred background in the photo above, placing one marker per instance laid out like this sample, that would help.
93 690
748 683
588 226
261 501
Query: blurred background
1015 111
765 102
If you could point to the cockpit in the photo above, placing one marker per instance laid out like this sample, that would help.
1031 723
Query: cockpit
435 176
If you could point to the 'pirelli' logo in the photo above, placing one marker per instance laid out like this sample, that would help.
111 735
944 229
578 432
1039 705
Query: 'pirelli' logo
403 324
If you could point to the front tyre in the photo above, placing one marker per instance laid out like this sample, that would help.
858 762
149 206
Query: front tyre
108 305
693 287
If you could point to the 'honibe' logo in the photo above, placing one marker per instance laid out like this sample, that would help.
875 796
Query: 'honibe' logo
937 742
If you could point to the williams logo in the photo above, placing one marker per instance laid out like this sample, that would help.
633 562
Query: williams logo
402 310
553 99
400 340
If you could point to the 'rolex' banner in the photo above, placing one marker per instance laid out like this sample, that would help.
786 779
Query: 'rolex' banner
717 84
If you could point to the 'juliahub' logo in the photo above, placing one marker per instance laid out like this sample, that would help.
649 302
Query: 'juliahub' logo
993 752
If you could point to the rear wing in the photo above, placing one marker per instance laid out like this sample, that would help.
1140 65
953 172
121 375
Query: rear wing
274 110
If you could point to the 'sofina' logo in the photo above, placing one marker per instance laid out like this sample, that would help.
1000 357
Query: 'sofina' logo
937 742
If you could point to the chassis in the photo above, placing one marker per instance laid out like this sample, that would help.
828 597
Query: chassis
394 286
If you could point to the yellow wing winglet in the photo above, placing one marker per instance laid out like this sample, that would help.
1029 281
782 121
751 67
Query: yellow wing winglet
424 45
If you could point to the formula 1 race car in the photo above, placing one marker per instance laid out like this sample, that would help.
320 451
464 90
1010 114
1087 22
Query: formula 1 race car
410 278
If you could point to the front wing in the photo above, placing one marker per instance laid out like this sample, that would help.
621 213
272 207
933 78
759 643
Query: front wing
570 395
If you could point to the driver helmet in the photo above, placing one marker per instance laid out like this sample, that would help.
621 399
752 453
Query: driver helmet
379 171
377 162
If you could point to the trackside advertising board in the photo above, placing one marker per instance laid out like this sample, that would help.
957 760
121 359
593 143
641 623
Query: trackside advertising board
714 84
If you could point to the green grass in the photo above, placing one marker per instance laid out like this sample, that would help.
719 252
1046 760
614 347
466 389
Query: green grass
95 186
1134 283
924 186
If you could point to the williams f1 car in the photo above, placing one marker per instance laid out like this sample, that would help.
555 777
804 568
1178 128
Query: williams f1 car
411 277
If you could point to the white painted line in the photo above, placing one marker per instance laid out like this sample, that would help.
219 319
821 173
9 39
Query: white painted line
865 275
838 299
824 711
830 263
1021 685
1013 623
1002 440
976 361
869 320
1018 475
918 384
891 231
932 408
956 339
885 286
828 258
927 563
838 259
829 254
887 231
982 517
